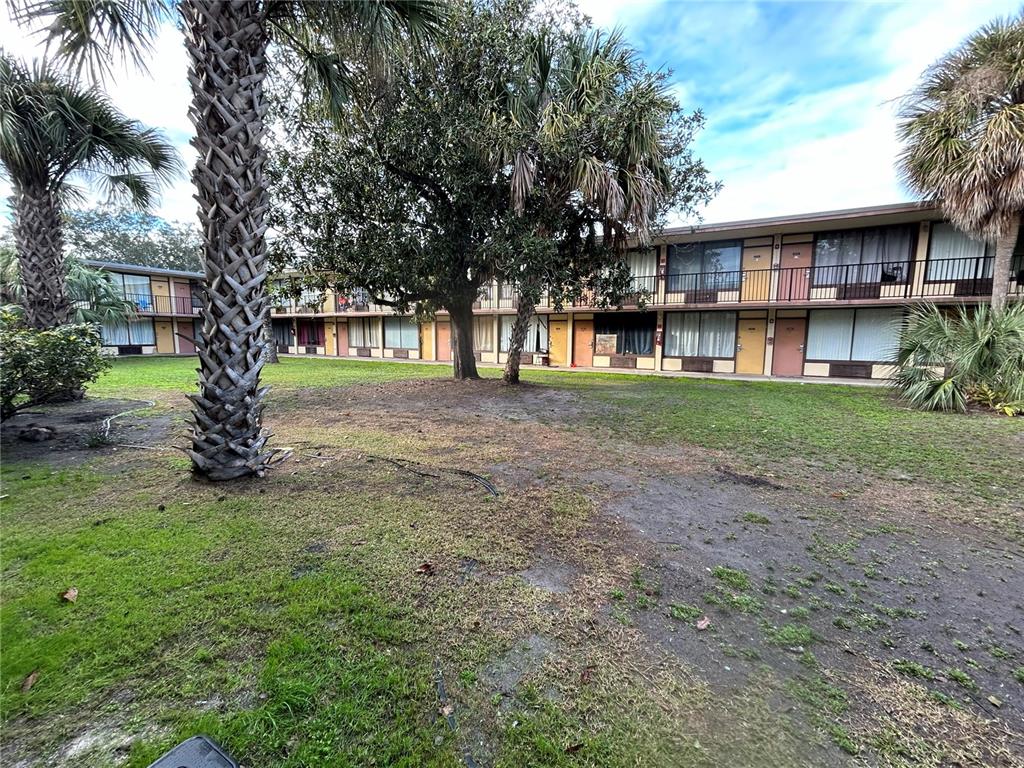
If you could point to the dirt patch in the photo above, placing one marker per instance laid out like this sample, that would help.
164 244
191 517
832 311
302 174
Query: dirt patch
80 431
549 575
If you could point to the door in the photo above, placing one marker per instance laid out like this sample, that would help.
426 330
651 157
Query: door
444 340
164 337
182 298
342 335
583 343
757 274
795 272
558 347
750 341
186 337
788 357
426 341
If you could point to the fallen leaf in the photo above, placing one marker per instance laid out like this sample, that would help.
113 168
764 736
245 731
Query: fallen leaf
446 710
71 595
572 749
995 701
587 674
29 681
426 568
704 623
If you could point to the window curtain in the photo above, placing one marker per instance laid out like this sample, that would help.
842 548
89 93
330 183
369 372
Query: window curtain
483 334
643 268
114 333
401 333
311 333
829 334
362 332
836 256
682 334
536 333
722 265
283 332
952 255
136 289
506 332
876 334
717 334
684 261
142 332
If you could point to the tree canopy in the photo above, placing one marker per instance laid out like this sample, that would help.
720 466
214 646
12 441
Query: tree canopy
126 236
422 211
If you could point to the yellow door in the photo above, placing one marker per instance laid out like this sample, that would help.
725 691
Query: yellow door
330 342
757 274
426 341
558 342
750 345
164 337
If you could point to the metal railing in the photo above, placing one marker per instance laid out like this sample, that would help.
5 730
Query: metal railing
149 304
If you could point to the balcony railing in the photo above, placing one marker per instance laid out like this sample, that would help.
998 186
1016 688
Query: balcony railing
149 304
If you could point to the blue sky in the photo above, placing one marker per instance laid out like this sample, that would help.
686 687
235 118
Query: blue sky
799 97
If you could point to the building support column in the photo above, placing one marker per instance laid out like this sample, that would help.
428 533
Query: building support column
659 340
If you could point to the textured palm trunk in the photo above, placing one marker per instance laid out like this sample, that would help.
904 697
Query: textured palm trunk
515 346
1001 267
39 241
271 342
227 42
463 359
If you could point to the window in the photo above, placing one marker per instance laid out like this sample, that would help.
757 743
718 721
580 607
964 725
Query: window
311 333
876 255
362 332
952 255
536 334
310 299
131 333
634 333
704 266
643 269
283 335
861 335
401 333
135 288
483 334
700 334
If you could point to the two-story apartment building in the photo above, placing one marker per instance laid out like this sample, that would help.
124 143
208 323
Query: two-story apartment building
817 295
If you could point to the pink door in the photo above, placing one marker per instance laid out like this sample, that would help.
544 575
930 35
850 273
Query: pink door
186 337
795 272
444 341
790 336
342 336
182 298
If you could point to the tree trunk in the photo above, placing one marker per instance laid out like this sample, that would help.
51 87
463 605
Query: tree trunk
463 359
39 240
269 340
226 43
1001 267
515 347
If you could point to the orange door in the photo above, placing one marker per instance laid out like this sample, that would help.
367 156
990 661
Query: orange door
583 343
750 344
788 357
444 340
757 273
795 272
342 336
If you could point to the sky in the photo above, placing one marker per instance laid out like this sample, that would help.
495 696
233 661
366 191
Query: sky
799 98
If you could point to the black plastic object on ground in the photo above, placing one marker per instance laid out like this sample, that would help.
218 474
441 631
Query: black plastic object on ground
197 752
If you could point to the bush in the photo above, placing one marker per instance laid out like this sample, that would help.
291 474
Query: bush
950 359
43 366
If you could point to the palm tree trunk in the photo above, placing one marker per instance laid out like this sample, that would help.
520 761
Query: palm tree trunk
227 43
463 359
515 346
269 340
39 239
1001 267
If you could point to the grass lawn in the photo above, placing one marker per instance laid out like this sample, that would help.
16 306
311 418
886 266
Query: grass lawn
827 534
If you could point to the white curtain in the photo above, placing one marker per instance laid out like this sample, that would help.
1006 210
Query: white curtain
642 263
876 334
362 332
483 334
717 334
952 255
682 331
115 334
536 334
142 332
829 334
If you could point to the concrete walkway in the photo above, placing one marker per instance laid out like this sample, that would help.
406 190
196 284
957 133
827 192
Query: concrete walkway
618 371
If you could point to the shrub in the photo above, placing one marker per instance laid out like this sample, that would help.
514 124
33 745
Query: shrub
950 359
42 366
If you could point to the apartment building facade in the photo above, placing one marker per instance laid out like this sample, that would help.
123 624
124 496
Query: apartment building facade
815 295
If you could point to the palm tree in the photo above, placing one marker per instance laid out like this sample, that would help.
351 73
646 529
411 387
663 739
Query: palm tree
53 132
93 295
227 43
585 120
963 128
949 359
